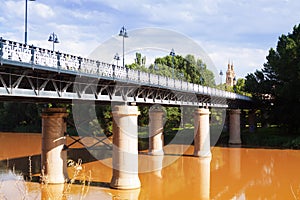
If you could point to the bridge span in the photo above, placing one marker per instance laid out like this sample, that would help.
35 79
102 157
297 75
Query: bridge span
43 75
33 74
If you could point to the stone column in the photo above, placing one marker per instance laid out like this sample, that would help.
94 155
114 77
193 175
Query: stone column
125 148
234 127
54 159
201 133
156 127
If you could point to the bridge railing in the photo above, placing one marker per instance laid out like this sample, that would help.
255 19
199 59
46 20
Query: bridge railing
30 54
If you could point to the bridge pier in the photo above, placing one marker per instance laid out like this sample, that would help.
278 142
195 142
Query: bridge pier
125 148
54 159
201 133
156 127
234 126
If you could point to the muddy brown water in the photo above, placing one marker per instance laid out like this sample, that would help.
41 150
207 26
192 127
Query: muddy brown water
231 173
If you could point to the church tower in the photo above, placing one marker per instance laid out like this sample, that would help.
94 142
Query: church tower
230 76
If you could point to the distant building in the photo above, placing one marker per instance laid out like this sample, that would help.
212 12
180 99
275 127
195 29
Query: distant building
230 76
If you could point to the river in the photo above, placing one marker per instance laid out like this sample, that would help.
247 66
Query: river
231 173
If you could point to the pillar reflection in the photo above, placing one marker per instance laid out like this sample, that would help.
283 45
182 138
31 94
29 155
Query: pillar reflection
52 191
126 194
204 174
235 161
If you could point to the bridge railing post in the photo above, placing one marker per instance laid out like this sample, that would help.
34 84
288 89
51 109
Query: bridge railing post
79 62
58 60
1 50
114 71
167 81
32 54
98 66
174 82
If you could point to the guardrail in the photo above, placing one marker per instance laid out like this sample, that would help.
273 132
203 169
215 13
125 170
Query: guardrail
10 50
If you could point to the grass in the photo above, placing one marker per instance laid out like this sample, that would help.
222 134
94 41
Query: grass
78 173
13 185
271 137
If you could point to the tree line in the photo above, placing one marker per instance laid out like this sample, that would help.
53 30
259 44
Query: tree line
276 86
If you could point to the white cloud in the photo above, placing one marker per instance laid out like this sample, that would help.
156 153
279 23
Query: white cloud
245 60
42 10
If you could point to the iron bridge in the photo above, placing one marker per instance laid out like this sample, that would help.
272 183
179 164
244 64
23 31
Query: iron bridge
29 73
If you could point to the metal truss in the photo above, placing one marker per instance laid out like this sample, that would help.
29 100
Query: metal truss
36 74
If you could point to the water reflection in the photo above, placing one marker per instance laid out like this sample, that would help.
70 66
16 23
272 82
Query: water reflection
234 154
231 173
54 191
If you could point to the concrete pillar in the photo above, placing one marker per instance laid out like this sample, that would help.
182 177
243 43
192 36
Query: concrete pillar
54 159
201 133
125 148
156 126
234 127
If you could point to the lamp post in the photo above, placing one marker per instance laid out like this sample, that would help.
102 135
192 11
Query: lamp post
53 38
172 53
123 33
221 75
234 84
117 58
26 1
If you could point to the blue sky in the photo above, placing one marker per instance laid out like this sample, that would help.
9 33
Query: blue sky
241 31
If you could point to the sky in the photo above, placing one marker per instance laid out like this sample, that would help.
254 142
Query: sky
236 31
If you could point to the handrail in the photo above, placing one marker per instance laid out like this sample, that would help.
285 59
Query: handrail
30 54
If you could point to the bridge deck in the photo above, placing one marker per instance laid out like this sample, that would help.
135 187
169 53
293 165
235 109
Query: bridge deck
36 74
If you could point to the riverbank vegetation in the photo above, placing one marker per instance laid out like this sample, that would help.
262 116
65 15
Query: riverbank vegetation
267 137
276 86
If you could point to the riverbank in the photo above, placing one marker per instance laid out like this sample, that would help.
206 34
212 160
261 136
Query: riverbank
271 137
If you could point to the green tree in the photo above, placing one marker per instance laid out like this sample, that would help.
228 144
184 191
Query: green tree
138 59
277 84
20 117
187 68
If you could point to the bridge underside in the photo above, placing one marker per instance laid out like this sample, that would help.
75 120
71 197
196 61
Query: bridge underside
34 83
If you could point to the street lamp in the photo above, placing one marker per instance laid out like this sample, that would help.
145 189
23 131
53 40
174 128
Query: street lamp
26 1
221 75
172 53
234 84
53 38
123 33
117 58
